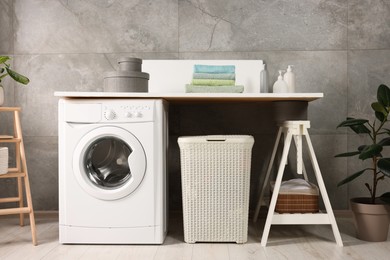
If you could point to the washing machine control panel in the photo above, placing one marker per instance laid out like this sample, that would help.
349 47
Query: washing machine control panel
131 112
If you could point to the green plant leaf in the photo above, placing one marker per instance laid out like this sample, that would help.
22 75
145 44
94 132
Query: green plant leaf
385 197
347 154
385 141
380 111
384 166
351 178
3 59
381 117
352 122
360 129
357 125
18 77
361 147
370 151
383 95
378 107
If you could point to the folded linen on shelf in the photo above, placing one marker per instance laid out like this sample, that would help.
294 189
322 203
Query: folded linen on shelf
214 76
296 186
214 89
214 68
213 82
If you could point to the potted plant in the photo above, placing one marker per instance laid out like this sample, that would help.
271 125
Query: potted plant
5 70
372 214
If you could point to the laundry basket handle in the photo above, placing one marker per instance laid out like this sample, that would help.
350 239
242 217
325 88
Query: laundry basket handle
216 139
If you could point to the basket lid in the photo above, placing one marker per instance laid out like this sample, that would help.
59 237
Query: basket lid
217 138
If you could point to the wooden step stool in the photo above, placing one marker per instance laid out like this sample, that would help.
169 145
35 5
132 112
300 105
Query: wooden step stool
295 130
19 172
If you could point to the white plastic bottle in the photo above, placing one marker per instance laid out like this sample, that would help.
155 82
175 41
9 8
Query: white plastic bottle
263 79
289 78
280 86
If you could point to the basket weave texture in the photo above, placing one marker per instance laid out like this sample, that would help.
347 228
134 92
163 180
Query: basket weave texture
215 185
297 196
296 203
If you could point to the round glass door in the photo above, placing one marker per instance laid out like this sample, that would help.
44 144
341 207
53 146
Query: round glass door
106 164
109 163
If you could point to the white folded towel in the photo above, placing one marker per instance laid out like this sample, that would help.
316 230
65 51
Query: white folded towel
297 187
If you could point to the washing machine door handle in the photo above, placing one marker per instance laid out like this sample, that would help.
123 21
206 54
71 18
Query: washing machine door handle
137 165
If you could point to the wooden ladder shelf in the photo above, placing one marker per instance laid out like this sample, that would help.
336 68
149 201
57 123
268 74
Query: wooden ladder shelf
19 172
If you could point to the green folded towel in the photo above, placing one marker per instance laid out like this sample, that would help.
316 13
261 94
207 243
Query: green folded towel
214 76
213 82
214 89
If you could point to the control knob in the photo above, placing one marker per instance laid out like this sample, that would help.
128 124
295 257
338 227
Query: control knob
110 114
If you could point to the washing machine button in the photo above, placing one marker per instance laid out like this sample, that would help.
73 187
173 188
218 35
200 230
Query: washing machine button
139 114
128 114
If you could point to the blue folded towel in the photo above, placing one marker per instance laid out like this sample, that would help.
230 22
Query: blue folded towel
214 68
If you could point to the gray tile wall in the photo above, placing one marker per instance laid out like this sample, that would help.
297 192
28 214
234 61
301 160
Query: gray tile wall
338 47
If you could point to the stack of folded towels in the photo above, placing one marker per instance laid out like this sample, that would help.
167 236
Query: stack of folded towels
214 79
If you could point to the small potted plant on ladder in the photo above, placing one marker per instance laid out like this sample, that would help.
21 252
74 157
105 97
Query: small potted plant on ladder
5 70
372 214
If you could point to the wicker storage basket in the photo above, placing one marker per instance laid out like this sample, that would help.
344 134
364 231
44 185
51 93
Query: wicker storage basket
215 174
297 196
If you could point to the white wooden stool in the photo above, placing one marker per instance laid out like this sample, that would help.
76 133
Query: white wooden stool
290 130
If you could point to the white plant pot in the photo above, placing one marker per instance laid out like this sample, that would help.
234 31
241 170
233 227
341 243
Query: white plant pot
1 96
3 160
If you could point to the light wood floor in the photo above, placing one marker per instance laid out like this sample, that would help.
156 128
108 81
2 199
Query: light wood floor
285 242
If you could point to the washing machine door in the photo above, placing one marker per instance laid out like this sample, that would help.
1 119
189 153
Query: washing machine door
109 163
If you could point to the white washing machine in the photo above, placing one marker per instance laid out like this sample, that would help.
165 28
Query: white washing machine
112 171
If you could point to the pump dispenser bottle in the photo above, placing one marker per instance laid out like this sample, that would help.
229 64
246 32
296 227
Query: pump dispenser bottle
263 79
280 86
289 78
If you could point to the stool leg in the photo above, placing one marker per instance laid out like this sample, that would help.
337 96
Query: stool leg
26 180
21 203
32 218
324 194
298 142
275 193
30 206
304 172
301 158
266 178
18 168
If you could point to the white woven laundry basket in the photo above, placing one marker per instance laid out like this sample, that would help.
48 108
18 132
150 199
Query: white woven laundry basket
215 174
